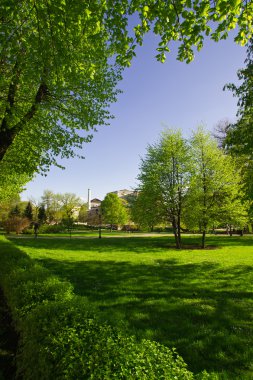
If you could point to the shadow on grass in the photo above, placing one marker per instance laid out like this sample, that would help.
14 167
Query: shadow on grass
203 309
135 244
190 307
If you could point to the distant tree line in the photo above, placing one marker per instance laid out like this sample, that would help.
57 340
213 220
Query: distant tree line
52 209
191 184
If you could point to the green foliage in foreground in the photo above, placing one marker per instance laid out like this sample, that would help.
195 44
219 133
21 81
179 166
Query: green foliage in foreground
199 301
61 338
61 61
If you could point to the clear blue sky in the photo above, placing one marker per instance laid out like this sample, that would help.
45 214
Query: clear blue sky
155 95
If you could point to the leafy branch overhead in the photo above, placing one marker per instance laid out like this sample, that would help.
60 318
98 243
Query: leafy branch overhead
61 60
239 136
185 21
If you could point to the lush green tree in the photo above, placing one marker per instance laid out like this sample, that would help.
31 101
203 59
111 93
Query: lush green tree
236 214
52 206
94 218
239 136
7 205
164 175
83 212
11 182
113 210
213 195
42 216
146 209
238 139
35 207
13 216
70 205
15 211
28 212
60 206
61 60
56 81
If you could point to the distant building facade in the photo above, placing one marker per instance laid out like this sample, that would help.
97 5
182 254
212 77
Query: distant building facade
95 204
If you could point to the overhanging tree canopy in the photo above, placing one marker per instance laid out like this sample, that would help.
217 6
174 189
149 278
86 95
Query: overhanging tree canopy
56 81
239 136
60 61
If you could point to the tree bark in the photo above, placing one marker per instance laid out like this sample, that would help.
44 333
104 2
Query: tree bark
203 239
7 135
175 230
6 138
179 230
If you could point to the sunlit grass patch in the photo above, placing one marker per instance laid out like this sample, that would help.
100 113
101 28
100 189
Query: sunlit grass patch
199 301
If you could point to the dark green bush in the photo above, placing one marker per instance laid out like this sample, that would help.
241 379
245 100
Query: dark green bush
28 231
51 228
64 340
27 284
34 285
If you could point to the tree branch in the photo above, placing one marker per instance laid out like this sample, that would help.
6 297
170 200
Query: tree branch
7 136
11 96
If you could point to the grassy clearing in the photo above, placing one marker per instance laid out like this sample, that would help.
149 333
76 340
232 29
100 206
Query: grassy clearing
200 302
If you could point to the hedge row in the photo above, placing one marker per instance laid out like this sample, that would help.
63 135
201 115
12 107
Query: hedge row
61 337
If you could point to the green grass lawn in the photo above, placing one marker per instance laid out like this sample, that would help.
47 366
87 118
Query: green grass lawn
199 301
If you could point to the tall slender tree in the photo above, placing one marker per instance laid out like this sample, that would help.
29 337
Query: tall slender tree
15 211
214 189
113 210
146 210
70 204
83 213
42 216
164 174
28 212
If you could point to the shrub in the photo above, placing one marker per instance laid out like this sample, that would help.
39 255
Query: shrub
16 224
52 228
34 285
64 340
28 231
130 228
